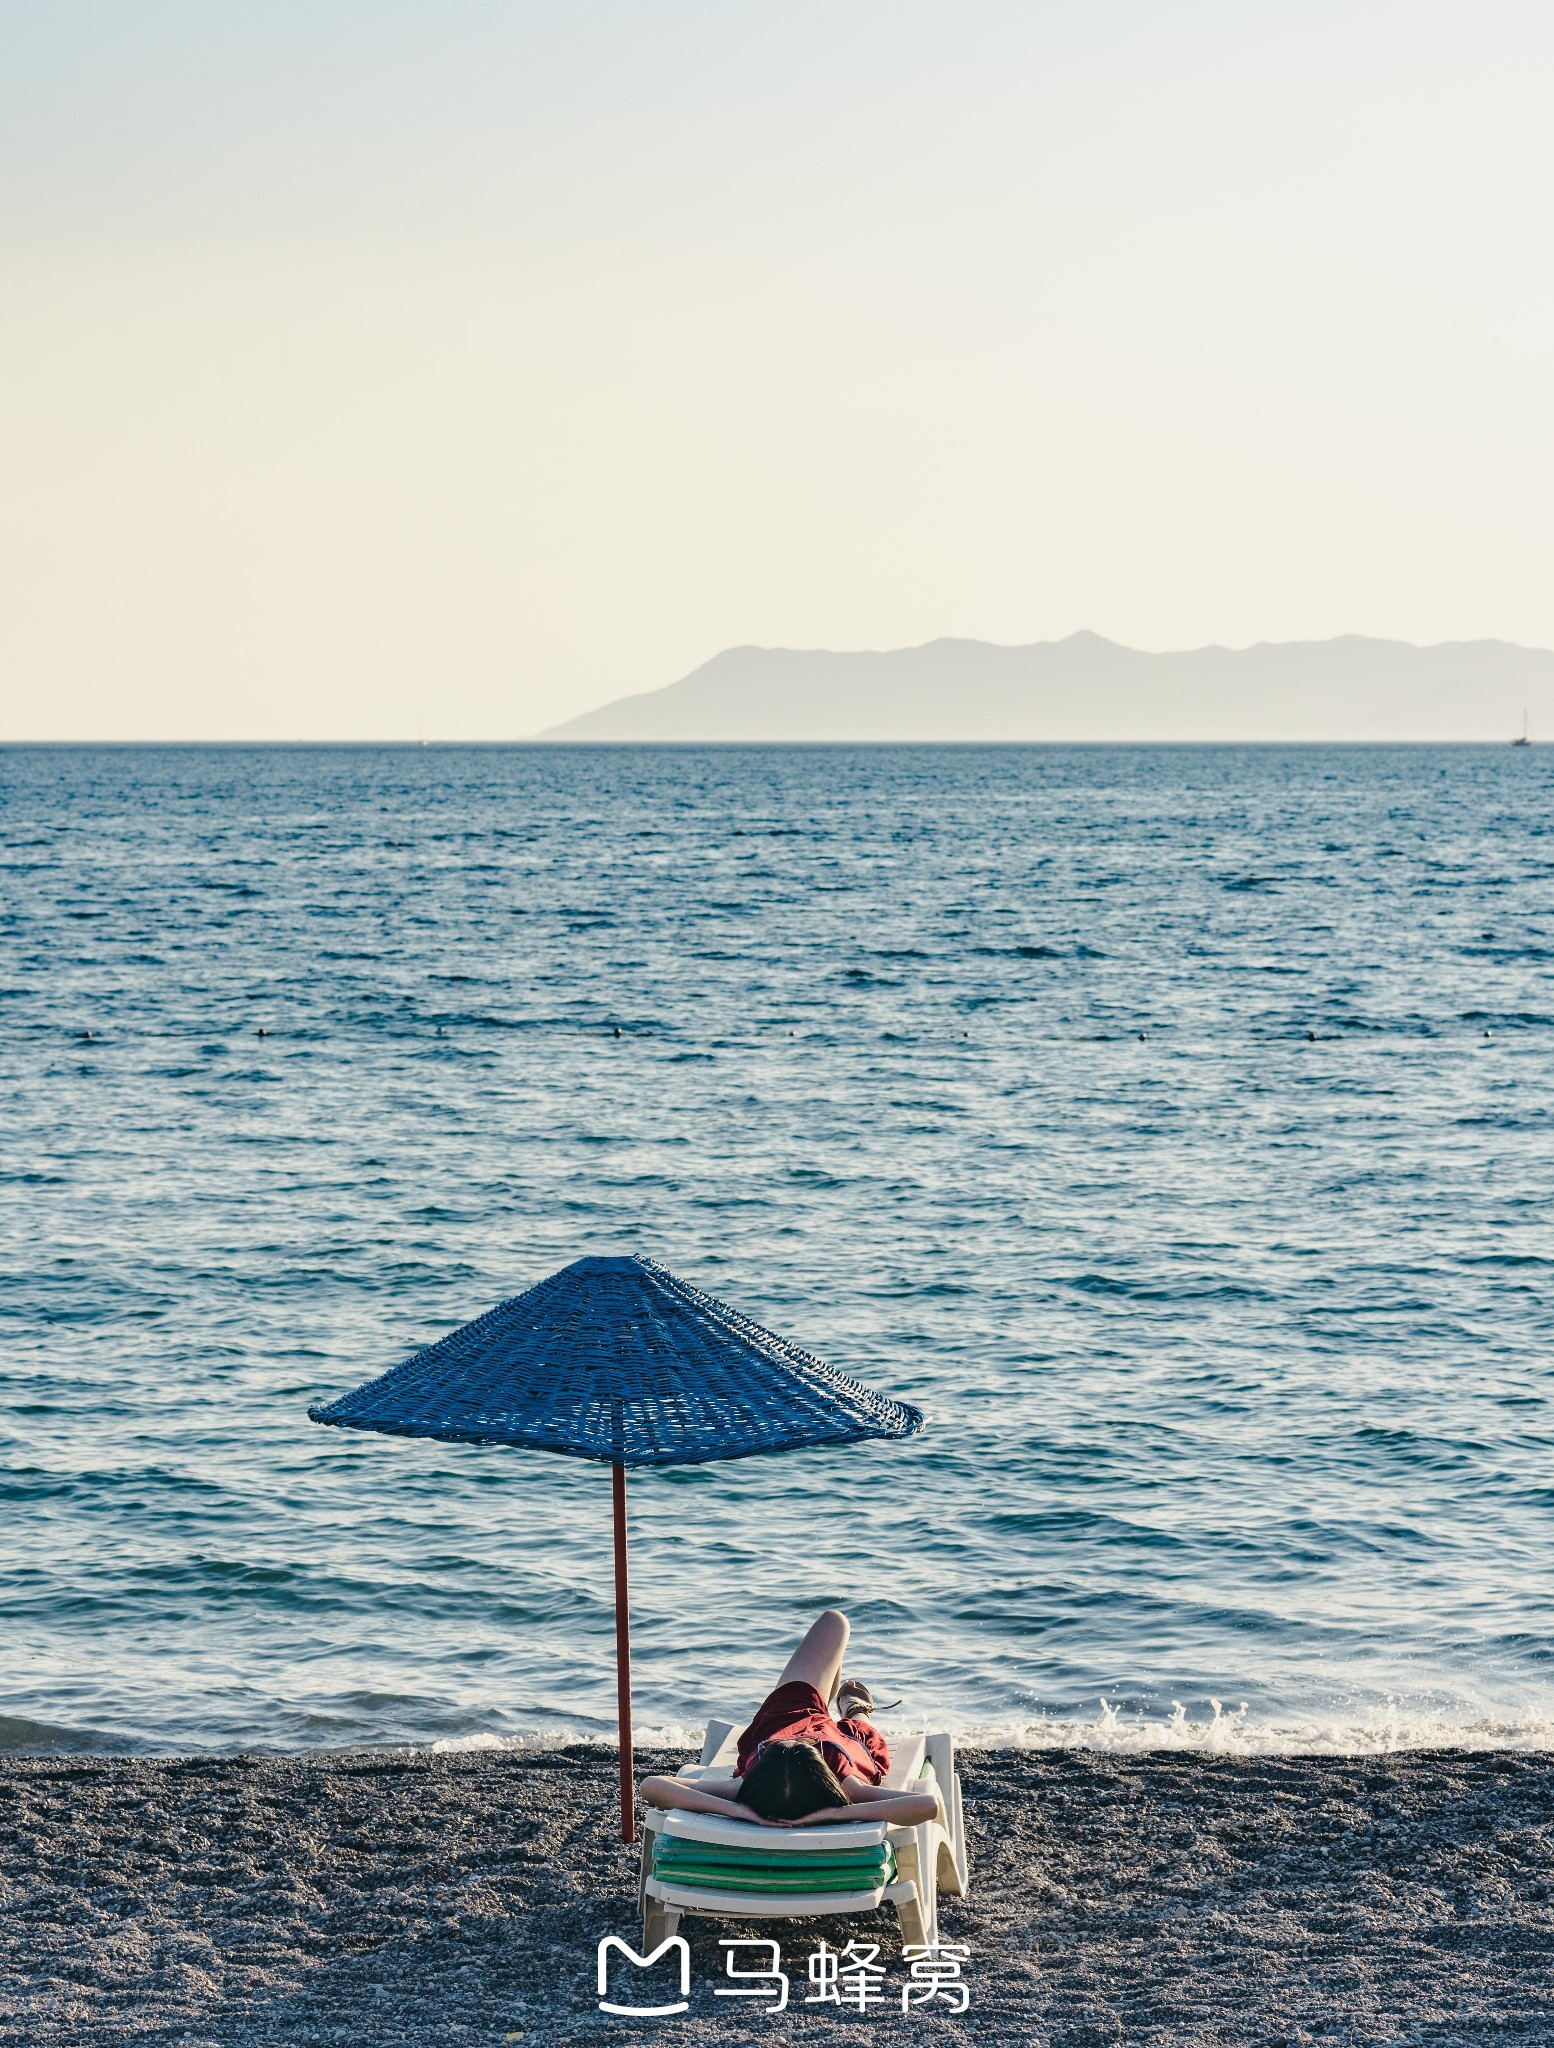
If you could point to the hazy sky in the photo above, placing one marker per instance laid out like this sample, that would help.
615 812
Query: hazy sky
368 366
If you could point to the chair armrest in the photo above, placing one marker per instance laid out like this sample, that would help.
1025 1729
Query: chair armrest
941 1752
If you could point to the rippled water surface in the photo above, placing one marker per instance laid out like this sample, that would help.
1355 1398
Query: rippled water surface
1172 1125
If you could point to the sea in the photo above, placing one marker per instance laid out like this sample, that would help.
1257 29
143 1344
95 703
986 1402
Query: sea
1173 1125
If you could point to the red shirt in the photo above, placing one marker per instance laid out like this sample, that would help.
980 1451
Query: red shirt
796 1713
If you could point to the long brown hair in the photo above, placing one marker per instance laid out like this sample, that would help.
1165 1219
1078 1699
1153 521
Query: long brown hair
788 1780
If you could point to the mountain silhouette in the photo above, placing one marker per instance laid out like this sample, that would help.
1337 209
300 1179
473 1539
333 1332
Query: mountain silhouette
1087 688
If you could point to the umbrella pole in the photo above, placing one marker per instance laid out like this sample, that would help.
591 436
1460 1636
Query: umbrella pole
623 1658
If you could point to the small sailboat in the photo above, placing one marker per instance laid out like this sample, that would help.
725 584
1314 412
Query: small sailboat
1524 739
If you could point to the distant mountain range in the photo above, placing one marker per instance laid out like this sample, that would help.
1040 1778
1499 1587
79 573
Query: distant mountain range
1087 688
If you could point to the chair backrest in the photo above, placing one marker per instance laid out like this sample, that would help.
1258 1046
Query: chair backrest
720 1748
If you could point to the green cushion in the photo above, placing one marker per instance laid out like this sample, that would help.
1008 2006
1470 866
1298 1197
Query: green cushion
771 1873
697 1877
684 1849
718 1866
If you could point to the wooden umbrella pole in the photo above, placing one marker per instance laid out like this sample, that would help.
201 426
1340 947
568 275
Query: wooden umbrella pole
623 1658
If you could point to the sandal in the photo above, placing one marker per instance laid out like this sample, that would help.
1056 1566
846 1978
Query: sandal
855 1702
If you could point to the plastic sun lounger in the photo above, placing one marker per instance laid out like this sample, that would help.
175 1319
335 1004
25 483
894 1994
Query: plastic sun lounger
706 1863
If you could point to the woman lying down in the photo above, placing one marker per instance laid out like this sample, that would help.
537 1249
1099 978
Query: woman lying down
799 1766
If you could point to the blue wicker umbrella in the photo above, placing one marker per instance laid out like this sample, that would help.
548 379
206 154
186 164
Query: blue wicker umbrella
619 1361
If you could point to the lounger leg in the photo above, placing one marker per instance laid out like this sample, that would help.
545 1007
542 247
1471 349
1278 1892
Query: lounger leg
658 1923
914 1926
658 1920
928 1885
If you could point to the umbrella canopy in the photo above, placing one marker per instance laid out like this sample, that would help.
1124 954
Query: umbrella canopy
616 1359
619 1361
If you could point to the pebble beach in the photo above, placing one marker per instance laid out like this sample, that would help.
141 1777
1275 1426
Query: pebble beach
402 1898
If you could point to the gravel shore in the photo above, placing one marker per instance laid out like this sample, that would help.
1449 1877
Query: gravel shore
390 1899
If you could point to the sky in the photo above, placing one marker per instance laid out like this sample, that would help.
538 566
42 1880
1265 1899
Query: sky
395 371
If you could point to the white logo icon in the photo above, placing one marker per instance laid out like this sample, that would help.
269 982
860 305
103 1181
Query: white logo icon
676 1942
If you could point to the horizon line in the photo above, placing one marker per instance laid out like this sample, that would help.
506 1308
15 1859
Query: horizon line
550 745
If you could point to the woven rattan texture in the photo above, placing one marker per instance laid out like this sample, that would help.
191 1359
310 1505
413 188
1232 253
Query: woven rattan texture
618 1360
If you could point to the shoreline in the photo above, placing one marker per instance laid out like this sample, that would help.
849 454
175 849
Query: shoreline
381 1899
1113 1731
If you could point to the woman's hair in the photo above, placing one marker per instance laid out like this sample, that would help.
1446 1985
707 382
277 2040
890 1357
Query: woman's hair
788 1780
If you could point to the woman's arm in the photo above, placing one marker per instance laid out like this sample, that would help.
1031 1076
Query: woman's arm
901 1809
714 1795
704 1795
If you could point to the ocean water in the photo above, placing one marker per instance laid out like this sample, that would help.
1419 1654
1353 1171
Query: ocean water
1175 1126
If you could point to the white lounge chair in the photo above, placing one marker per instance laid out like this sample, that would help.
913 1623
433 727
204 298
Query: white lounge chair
706 1863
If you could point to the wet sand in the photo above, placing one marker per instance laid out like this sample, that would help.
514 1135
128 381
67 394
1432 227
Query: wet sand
385 1900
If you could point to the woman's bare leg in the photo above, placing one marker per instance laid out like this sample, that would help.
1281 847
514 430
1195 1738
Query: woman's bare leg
818 1659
